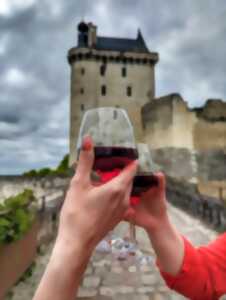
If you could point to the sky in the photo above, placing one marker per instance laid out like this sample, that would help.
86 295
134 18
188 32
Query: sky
35 36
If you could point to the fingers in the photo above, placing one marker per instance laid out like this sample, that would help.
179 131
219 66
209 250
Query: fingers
126 176
129 214
161 181
86 159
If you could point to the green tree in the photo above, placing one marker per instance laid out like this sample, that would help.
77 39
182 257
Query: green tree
63 165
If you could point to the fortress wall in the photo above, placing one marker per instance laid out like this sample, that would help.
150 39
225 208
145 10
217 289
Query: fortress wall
157 118
168 126
183 124
209 135
210 143
188 144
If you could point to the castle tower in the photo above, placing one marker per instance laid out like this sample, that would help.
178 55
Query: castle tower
109 71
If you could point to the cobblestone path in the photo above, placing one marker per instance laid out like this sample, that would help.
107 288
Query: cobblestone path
107 279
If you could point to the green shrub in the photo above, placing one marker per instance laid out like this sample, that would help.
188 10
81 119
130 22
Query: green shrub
31 173
16 216
44 172
61 170
63 165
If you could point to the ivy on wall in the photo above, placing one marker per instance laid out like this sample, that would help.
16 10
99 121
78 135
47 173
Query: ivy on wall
16 216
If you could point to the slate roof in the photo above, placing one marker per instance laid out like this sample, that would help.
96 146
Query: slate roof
122 44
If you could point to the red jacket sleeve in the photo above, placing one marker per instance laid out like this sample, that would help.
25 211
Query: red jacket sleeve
203 272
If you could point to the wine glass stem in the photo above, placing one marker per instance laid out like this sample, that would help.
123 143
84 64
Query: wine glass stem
132 232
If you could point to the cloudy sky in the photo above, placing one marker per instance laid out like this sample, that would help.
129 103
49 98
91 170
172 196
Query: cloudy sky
35 77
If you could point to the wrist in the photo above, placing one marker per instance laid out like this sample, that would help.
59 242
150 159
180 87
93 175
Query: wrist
162 224
69 252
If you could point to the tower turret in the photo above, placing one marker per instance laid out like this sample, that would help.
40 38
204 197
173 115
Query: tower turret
109 71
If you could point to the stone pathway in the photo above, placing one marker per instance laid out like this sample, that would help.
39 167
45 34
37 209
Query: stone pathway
110 279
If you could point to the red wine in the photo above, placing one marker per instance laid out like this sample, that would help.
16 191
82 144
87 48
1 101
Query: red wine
108 159
143 182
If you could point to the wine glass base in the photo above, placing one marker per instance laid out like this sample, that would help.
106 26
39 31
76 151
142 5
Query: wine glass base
125 253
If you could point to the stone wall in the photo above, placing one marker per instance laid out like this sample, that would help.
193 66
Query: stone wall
188 143
12 185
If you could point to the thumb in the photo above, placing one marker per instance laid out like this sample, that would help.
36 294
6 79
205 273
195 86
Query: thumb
86 159
126 176
161 181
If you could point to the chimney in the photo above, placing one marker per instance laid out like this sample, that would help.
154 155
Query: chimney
92 35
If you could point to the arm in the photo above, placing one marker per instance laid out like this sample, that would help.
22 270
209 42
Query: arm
188 270
168 244
80 228
185 269
64 271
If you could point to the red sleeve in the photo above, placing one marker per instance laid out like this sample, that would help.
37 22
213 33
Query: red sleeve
203 272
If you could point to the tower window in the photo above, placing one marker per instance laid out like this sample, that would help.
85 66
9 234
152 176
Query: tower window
124 72
129 91
82 107
103 90
82 91
82 71
102 70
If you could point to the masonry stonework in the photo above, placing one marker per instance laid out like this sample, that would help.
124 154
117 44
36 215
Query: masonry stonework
116 64
189 144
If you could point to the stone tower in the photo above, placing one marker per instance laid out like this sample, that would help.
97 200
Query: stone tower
107 71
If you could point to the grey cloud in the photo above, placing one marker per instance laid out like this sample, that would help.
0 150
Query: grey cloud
35 112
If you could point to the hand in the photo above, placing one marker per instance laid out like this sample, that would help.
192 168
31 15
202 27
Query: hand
90 212
150 212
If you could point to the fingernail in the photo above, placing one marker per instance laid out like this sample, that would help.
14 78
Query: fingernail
87 143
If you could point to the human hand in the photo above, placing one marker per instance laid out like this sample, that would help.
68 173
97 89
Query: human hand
151 210
90 212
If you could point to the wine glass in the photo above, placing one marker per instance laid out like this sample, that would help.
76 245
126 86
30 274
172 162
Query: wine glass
113 138
144 180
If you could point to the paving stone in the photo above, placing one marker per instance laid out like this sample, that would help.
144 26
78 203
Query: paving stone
145 289
117 270
159 297
143 297
107 291
163 288
101 271
91 282
175 296
124 289
112 279
102 263
145 269
88 271
133 269
86 292
149 279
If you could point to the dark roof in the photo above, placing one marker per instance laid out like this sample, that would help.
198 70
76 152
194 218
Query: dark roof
122 44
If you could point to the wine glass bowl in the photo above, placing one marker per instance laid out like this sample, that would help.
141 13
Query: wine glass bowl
113 138
107 126
145 177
